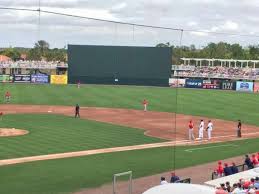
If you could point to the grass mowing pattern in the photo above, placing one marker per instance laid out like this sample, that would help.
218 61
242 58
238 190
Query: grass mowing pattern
57 134
72 174
228 105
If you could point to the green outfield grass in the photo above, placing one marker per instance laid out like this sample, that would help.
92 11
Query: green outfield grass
57 134
73 174
67 175
228 105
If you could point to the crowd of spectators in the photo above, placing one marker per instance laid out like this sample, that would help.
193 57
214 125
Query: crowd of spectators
32 64
221 72
243 186
226 169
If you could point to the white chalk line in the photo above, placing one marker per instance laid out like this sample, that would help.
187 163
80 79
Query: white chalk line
209 147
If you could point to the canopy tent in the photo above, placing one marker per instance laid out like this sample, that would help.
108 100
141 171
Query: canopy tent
222 62
181 188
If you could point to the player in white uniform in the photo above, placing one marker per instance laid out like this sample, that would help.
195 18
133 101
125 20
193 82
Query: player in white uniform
201 129
209 129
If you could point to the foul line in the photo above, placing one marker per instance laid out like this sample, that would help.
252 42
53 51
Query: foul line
119 149
209 147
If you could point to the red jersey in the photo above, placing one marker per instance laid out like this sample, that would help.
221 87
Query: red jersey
220 169
254 160
7 94
191 125
145 102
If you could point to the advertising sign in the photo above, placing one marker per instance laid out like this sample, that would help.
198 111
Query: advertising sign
22 78
176 83
58 79
193 83
256 87
6 78
211 84
39 78
245 86
228 85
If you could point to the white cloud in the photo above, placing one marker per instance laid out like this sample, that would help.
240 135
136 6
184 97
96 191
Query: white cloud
209 15
192 23
230 25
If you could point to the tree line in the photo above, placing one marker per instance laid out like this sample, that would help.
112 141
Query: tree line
221 50
40 51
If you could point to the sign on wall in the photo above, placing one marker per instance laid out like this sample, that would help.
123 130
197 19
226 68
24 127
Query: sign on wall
193 83
228 85
58 79
22 78
39 78
245 86
6 78
176 83
256 87
211 84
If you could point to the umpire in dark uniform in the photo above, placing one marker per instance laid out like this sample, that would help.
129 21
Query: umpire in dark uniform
239 125
77 111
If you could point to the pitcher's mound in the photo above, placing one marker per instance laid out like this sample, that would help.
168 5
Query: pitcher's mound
8 132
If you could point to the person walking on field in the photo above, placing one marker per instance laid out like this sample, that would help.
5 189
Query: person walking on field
145 103
77 111
7 96
239 125
209 129
191 135
201 129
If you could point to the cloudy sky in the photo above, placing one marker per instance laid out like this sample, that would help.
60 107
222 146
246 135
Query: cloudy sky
20 28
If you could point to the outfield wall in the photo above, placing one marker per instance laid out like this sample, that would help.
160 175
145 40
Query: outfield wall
34 78
122 65
218 84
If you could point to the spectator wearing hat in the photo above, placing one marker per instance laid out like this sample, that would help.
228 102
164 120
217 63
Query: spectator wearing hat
234 168
174 178
227 170
220 170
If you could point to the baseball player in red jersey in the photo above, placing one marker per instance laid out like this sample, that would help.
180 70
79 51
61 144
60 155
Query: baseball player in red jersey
145 103
191 135
7 96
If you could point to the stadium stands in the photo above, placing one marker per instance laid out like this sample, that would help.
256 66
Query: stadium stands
32 64
219 72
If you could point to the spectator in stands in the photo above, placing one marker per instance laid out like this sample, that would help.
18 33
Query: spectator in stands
163 181
220 171
234 168
252 181
227 170
256 183
248 162
228 187
222 186
254 160
236 188
174 178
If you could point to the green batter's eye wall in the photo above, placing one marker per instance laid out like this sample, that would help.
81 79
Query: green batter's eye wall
150 66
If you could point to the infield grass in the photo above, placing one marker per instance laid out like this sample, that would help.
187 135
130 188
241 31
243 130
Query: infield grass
57 134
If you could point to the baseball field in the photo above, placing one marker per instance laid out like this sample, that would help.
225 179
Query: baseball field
113 134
